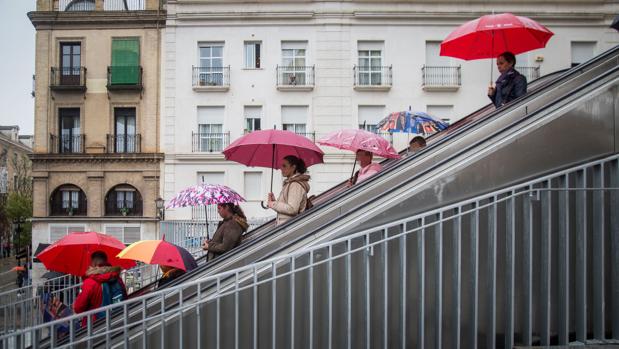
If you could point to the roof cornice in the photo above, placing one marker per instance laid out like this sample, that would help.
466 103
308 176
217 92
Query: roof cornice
42 20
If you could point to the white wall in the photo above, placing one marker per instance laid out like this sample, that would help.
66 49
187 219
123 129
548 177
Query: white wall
332 31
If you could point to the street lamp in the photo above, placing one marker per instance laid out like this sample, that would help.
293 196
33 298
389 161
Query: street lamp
160 208
17 237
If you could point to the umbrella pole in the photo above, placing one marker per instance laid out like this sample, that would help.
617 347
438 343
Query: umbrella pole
206 218
272 170
352 174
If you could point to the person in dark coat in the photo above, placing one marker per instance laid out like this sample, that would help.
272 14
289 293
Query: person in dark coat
229 231
510 84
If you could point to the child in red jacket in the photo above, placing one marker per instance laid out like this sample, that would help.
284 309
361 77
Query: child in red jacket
102 286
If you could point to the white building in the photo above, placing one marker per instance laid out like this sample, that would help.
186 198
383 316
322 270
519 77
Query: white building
319 66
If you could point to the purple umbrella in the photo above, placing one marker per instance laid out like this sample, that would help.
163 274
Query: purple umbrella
204 195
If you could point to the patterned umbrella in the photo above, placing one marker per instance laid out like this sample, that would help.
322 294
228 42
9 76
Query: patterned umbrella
204 195
411 122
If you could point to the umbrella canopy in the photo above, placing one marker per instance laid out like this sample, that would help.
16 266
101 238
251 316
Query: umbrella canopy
355 139
491 35
159 252
71 254
205 194
411 122
615 23
267 148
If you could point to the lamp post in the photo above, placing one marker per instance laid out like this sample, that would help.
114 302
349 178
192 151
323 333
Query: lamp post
160 208
17 237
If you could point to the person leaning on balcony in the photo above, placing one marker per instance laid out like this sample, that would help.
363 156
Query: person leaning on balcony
510 84
229 231
368 168
292 199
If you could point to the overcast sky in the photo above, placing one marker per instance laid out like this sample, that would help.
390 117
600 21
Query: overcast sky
16 65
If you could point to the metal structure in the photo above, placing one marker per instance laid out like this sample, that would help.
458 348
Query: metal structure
511 267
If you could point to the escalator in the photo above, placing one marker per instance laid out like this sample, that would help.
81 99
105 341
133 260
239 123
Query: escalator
564 119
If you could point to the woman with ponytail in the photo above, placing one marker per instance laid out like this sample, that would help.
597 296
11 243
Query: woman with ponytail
229 230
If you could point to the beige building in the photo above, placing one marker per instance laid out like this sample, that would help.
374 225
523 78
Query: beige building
14 162
96 159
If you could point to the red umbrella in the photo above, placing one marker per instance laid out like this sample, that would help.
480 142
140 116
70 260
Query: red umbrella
267 148
71 254
490 35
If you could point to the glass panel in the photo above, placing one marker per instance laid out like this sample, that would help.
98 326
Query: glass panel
217 51
120 199
249 55
129 199
287 53
375 63
376 78
299 61
74 199
65 199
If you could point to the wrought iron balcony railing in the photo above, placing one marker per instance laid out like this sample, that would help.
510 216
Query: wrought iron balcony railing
295 77
127 143
441 76
209 142
68 78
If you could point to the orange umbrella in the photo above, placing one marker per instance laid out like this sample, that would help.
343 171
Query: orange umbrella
159 252
18 268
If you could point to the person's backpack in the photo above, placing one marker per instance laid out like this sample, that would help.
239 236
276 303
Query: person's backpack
309 204
112 292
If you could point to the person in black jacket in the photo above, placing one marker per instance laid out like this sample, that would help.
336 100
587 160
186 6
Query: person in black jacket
510 84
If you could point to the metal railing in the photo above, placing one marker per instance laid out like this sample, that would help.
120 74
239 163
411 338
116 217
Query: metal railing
386 135
193 232
108 5
211 76
123 5
469 274
124 77
209 142
531 73
60 207
66 144
436 76
124 143
301 76
68 78
373 76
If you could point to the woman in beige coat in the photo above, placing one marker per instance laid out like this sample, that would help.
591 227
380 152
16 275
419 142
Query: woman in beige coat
293 198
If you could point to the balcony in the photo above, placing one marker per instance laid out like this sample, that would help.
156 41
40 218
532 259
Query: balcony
117 206
209 142
310 135
373 78
129 143
73 204
67 144
531 73
108 5
441 78
295 78
68 79
128 78
211 79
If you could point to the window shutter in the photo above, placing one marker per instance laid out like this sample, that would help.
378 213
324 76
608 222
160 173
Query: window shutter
125 61
115 231
132 234
56 233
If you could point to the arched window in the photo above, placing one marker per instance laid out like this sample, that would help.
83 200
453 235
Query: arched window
68 200
123 200
81 5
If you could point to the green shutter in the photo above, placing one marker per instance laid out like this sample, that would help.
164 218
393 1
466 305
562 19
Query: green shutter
125 61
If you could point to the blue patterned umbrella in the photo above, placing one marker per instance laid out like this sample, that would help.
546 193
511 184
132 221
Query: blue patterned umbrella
412 122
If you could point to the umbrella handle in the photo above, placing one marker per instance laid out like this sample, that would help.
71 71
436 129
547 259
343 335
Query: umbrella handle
263 206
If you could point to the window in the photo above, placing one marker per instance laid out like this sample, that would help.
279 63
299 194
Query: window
68 200
252 54
369 116
252 118
125 69
253 185
441 112
80 5
4 180
123 200
293 70
211 178
57 232
211 64
69 125
433 57
70 62
582 51
124 128
127 234
210 129
294 118
370 70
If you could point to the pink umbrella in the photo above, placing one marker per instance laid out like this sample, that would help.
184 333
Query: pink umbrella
356 139
204 195
267 148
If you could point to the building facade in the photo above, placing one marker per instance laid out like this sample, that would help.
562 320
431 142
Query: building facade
96 160
14 161
317 66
